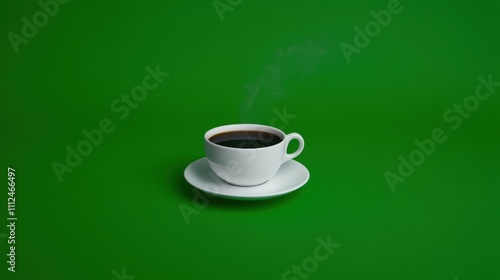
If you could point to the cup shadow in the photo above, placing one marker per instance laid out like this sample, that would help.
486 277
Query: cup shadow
187 193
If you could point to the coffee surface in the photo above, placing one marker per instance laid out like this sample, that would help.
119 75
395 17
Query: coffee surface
245 139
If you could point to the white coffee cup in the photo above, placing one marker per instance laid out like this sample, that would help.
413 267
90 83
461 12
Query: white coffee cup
249 166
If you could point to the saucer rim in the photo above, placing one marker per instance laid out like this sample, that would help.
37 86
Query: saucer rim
229 196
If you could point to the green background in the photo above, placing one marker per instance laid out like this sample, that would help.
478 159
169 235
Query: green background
119 208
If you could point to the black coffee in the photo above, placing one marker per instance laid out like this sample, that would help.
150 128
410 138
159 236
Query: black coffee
245 139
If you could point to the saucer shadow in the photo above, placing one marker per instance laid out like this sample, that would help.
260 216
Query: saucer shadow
188 192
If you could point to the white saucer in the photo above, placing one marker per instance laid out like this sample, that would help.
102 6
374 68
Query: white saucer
291 176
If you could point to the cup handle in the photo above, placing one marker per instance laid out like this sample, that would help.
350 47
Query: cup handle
289 138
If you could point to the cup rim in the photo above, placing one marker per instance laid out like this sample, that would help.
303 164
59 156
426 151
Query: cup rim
244 126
